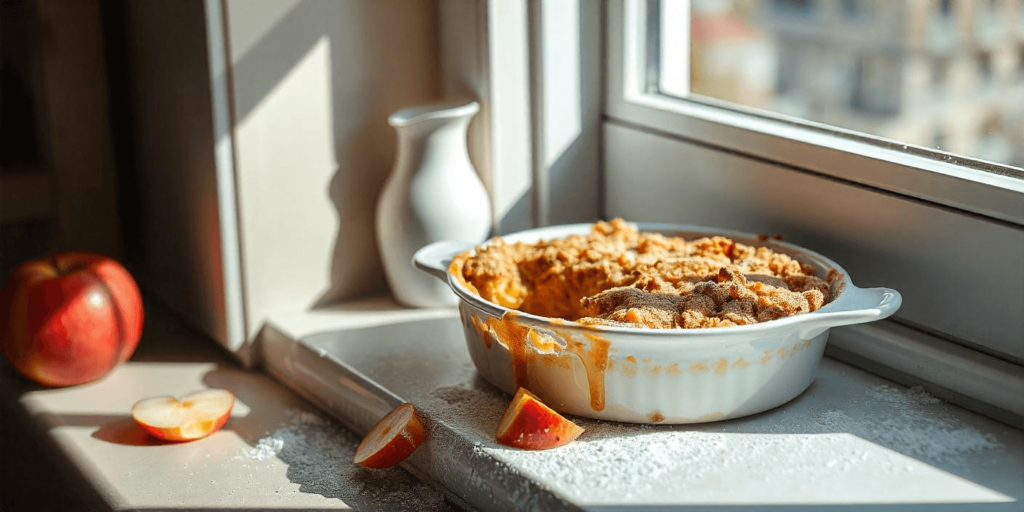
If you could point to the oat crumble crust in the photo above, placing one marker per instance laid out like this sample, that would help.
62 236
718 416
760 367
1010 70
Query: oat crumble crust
618 276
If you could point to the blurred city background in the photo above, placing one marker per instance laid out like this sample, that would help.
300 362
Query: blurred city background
945 74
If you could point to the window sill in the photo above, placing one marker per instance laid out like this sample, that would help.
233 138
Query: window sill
77 448
852 438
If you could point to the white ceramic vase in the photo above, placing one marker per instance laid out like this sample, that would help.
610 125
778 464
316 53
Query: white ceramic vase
432 194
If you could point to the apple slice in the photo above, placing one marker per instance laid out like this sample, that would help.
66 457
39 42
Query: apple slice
392 439
194 416
531 425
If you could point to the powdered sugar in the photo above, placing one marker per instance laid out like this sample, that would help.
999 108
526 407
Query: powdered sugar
266 447
903 438
932 440
661 463
929 438
319 455
910 398
843 441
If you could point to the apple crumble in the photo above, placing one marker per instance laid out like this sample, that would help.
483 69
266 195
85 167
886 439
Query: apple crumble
619 276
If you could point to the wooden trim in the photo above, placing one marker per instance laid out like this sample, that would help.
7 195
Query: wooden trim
966 377
26 195
485 55
231 261
496 52
541 175
75 91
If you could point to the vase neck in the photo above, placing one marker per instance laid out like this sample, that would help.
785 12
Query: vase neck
435 112
432 144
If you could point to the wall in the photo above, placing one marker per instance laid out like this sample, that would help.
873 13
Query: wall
313 82
272 115
163 138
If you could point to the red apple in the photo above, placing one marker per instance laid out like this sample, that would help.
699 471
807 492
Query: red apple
392 439
69 318
531 425
194 416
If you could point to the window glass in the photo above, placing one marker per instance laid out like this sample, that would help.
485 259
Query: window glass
944 74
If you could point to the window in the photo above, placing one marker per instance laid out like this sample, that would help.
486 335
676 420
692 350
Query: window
939 86
877 86
939 139
1020 59
946 8
839 70
940 73
833 131
794 6
984 66
851 8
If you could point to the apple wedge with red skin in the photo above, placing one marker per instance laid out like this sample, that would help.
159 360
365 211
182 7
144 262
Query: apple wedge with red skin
191 417
69 318
531 425
392 439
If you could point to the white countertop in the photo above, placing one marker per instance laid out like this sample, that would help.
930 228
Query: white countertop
852 437
276 451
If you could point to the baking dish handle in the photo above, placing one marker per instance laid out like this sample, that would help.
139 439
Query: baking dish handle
435 258
862 306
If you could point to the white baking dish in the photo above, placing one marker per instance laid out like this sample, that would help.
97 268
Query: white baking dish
655 375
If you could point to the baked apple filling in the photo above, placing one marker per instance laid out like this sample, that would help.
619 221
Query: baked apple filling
618 276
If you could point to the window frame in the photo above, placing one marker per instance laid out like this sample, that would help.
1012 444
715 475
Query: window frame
968 189
984 188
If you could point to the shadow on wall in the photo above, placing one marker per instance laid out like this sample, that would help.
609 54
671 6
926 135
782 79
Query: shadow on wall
369 59
314 83
567 108
572 93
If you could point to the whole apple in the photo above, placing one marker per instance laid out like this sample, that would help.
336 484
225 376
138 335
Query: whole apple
69 318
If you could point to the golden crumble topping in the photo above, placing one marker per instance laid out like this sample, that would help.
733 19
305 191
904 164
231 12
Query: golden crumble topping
619 276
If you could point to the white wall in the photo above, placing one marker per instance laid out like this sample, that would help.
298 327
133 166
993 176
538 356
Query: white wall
297 131
313 82
168 183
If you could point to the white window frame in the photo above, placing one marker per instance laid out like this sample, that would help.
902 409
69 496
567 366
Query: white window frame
971 185
974 193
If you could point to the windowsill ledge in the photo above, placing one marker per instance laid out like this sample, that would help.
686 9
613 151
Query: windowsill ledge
852 438
77 448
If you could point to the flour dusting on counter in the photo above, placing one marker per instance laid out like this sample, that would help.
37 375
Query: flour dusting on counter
912 397
905 437
665 462
267 447
319 455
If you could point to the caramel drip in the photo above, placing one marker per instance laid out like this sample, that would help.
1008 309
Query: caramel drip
629 367
542 344
700 367
711 416
722 366
595 362
518 339
485 332
514 336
